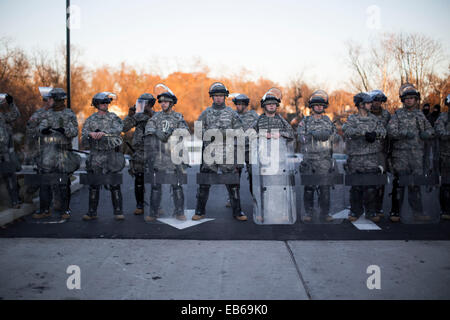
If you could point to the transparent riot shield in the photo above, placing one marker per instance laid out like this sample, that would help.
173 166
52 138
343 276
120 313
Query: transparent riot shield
273 179
324 197
166 164
418 196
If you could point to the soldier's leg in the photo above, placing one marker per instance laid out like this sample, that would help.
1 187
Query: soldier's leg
444 197
234 194
116 197
155 200
45 198
414 192
379 200
308 199
324 202
178 201
202 196
250 177
13 190
94 193
139 191
61 200
370 198
356 203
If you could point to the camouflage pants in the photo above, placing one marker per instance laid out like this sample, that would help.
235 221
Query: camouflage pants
406 162
364 198
444 191
316 166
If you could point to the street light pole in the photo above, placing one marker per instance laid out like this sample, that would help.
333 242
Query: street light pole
68 52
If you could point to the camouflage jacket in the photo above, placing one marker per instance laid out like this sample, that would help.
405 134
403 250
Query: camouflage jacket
4 135
32 131
220 118
248 118
354 134
10 114
276 123
65 119
158 130
385 116
108 123
442 128
404 121
311 147
139 121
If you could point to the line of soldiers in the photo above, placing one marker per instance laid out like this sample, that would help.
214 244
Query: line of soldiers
375 142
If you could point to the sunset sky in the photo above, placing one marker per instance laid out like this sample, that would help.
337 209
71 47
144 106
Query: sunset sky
274 39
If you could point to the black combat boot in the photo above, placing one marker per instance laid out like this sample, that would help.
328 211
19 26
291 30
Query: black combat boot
116 197
308 196
139 192
94 193
178 200
233 191
155 202
202 199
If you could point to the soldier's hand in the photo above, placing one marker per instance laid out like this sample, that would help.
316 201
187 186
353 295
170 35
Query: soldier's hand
268 135
100 135
46 131
371 136
9 99
61 130
132 111
425 135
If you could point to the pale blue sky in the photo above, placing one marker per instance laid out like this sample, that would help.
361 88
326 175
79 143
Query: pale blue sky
274 39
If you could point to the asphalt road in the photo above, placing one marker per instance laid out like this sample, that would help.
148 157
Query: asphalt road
223 227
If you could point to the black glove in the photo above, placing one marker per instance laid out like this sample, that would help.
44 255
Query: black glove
60 130
371 136
9 99
46 131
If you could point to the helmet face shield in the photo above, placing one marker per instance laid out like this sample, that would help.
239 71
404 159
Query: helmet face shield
218 89
273 96
45 92
140 105
318 97
164 94
103 98
3 98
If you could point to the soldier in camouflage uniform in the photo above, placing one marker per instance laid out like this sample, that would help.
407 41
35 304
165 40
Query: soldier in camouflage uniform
144 106
219 117
32 136
364 134
442 128
248 118
378 98
57 128
408 129
101 134
158 131
316 134
8 114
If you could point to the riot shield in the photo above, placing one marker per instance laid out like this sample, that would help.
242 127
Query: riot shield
273 181
418 196
324 198
166 173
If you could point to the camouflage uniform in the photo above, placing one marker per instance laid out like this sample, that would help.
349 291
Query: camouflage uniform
32 134
7 153
317 157
442 127
363 158
105 156
408 129
222 118
157 136
248 119
384 117
137 162
56 131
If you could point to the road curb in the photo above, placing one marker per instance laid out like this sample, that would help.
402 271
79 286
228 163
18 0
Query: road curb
10 214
